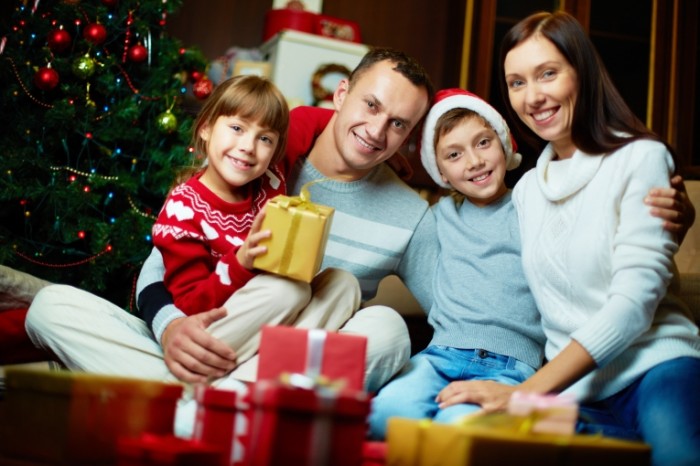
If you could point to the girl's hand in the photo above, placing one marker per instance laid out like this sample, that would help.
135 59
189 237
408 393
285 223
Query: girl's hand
250 248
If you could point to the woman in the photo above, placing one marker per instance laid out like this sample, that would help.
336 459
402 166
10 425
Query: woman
597 264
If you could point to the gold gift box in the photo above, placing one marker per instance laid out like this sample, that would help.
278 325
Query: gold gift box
424 443
299 235
68 418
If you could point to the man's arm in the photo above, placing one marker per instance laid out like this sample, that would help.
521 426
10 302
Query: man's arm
673 206
190 352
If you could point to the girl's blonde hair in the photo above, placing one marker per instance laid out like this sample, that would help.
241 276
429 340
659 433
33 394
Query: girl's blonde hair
250 97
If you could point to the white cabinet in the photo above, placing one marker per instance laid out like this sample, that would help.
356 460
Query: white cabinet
296 56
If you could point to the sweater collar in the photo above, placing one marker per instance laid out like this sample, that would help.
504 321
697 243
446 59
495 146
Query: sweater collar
571 174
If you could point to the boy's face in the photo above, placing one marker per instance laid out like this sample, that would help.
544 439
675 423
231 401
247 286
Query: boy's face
375 117
471 159
238 151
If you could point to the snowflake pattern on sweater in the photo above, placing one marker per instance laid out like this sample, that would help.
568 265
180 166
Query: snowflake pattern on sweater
198 235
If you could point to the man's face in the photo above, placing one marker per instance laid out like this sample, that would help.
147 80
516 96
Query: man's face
375 117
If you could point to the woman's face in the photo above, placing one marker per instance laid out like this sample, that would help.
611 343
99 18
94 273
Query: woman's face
542 89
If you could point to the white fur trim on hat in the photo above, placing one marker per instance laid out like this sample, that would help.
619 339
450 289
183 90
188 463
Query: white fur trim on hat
449 99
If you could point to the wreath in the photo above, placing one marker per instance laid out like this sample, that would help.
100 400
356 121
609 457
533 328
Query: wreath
320 93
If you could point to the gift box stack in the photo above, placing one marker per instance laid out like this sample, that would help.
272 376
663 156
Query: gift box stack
308 406
295 16
536 430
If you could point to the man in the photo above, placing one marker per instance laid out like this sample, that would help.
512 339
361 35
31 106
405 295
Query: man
380 227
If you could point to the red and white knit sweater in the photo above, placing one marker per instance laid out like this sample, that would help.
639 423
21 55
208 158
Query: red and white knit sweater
199 234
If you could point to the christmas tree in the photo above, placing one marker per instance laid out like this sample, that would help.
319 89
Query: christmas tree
94 125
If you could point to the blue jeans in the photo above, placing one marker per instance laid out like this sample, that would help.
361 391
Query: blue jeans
412 393
661 407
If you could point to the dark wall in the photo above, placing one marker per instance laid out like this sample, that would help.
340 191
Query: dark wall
430 31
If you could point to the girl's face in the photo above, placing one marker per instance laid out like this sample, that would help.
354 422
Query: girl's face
471 160
542 88
238 151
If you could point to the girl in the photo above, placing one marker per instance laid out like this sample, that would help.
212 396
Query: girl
209 228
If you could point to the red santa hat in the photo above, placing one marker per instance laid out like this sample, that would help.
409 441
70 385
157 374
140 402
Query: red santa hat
449 99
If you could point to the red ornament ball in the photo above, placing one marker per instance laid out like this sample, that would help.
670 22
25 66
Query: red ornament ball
196 75
59 40
95 33
137 53
202 88
46 78
110 3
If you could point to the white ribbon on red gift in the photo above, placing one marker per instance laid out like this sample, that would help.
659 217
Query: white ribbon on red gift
326 394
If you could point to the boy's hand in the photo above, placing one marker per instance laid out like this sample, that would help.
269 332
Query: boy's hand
191 353
250 249
673 206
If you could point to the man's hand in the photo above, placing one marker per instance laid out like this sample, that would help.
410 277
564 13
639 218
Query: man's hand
673 206
191 353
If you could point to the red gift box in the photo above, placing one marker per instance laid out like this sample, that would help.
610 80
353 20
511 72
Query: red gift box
335 356
222 419
374 453
299 426
337 28
279 19
166 450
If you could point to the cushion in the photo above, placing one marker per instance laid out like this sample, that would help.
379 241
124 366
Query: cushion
690 293
17 289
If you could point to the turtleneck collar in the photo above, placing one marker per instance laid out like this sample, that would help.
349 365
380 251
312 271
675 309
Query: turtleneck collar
559 179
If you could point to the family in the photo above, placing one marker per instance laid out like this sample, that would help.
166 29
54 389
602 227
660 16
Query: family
559 285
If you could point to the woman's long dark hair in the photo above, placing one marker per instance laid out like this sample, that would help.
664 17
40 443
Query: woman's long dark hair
600 113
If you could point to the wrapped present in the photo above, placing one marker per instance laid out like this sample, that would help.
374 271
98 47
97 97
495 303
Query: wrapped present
279 19
63 417
299 235
166 450
222 419
553 414
337 28
334 356
374 453
301 426
499 439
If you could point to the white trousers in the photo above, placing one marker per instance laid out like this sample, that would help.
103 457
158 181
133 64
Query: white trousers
88 333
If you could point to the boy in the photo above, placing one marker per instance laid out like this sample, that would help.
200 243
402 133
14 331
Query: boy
486 325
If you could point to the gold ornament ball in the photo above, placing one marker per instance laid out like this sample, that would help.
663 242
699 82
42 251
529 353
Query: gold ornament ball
84 67
166 122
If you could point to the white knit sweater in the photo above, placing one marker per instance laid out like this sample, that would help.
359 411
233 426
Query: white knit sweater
599 264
